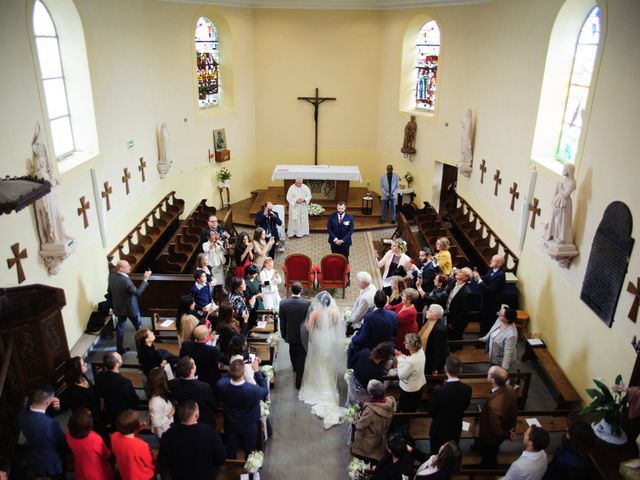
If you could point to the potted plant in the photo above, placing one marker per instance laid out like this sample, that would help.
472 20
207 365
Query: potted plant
610 409
223 175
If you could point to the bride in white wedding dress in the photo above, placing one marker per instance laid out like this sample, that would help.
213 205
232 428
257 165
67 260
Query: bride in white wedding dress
326 360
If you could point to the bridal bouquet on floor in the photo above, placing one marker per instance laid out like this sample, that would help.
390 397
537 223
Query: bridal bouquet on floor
356 469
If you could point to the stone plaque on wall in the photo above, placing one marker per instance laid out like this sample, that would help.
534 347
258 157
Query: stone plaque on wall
607 267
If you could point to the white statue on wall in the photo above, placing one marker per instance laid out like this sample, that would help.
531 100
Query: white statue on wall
55 245
558 233
164 151
465 164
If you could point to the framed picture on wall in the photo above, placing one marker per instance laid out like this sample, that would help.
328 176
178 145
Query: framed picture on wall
219 140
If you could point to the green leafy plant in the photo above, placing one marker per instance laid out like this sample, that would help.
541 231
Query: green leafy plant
224 174
609 406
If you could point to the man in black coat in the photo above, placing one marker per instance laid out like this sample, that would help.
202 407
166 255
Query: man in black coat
187 387
117 391
189 449
292 312
269 221
435 345
458 300
206 357
491 284
212 224
447 405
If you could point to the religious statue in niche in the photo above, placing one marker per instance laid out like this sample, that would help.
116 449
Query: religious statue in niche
164 151
558 234
408 145
465 164
55 245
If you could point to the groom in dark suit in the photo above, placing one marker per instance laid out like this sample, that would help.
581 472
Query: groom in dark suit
292 312
340 227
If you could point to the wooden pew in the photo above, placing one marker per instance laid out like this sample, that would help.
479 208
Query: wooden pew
469 355
163 293
404 231
566 396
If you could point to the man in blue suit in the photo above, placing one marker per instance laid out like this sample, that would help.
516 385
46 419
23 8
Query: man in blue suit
46 439
380 325
241 407
389 185
340 227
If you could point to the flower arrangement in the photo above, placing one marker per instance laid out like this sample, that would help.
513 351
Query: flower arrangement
609 406
254 461
223 174
315 210
267 372
353 413
356 469
409 178
347 342
346 316
348 375
265 409
273 339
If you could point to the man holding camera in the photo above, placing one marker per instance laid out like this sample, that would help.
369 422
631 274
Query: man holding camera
269 221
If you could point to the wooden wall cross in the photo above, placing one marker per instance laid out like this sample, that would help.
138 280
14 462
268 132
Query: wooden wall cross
498 181
514 194
107 191
634 290
84 206
18 256
316 101
125 179
533 207
483 170
141 168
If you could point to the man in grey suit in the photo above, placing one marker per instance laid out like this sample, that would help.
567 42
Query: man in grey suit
124 298
292 312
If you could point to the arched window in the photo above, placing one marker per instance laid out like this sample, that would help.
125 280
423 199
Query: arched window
207 62
426 67
53 81
583 64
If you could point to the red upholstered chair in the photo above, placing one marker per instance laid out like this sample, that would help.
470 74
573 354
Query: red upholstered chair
298 268
334 272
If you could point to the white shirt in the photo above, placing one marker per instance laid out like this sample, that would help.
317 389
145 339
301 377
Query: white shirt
530 466
411 371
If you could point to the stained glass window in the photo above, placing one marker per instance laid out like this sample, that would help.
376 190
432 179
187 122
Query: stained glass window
53 83
427 52
208 63
583 64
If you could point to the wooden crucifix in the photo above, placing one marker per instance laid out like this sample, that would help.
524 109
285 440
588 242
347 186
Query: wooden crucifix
125 179
141 168
483 170
107 191
533 208
316 101
498 181
514 194
84 206
18 256
634 290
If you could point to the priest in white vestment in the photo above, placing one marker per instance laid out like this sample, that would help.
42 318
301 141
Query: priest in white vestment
298 197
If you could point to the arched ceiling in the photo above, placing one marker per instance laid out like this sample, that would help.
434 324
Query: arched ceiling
333 4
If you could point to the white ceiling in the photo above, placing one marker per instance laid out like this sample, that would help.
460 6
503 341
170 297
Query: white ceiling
332 4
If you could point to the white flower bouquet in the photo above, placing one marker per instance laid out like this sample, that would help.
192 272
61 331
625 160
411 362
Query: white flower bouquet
254 461
347 342
356 469
348 375
346 316
315 210
353 413
265 409
274 338
267 372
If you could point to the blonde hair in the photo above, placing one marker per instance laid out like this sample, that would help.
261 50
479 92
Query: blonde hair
402 245
411 294
267 259
444 243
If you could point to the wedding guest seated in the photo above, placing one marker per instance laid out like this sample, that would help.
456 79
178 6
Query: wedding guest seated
380 325
442 466
90 454
433 336
407 318
502 338
410 370
206 357
439 293
226 327
532 464
241 407
242 253
261 246
80 392
148 356
364 303
46 442
239 304
116 390
186 386
370 430
186 319
571 459
133 455
239 350
201 294
396 287
269 280
397 462
161 409
367 365
190 449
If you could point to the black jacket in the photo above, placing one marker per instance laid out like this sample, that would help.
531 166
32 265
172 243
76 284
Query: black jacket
292 312
118 394
436 350
198 391
206 358
447 404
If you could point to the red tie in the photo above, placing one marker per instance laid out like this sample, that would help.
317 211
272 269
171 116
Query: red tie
340 219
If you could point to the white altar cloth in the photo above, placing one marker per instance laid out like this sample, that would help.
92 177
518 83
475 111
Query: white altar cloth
316 172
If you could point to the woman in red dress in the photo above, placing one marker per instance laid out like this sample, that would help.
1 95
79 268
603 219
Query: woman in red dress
407 318
91 455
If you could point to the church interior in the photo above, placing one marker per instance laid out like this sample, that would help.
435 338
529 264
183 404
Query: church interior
140 142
